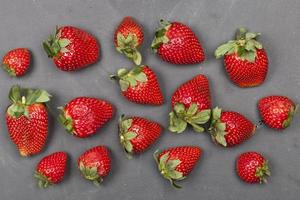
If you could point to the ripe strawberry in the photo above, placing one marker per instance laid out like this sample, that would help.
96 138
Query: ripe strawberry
72 48
16 62
246 61
277 111
27 119
176 43
95 164
137 134
176 163
230 128
252 167
191 104
128 38
82 116
51 169
140 85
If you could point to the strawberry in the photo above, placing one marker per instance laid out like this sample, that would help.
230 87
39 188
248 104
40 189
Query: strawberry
176 163
51 169
128 38
137 134
246 61
191 104
176 43
277 111
95 164
16 62
83 116
72 48
230 128
139 85
27 119
252 167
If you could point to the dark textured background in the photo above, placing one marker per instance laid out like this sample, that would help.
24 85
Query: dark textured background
26 23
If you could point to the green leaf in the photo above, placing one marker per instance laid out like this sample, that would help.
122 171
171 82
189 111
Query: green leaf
220 126
131 81
241 33
15 93
179 108
250 46
221 139
130 135
128 146
250 56
137 57
224 49
126 124
141 77
163 159
197 128
257 44
192 109
177 125
124 85
217 113
201 117
63 42
172 164
122 72
44 97
175 175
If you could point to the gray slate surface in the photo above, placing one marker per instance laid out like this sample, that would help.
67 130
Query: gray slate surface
26 23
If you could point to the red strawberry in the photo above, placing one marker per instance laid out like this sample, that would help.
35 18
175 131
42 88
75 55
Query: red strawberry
245 59
140 85
137 134
72 48
177 162
252 167
51 169
277 111
16 62
83 116
95 164
128 38
27 119
176 43
230 128
191 104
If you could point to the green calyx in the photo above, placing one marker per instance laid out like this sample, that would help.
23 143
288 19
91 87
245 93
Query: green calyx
90 173
180 117
263 172
292 112
9 70
130 78
244 46
65 120
125 135
160 35
43 181
217 128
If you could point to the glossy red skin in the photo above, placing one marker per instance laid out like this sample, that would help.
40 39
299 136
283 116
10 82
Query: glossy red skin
246 166
84 49
99 157
17 60
188 155
53 167
183 46
146 93
274 110
238 128
244 73
88 115
29 135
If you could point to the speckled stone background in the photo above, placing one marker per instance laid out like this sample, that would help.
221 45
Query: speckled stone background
25 23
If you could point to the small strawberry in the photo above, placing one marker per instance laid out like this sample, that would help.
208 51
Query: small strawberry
72 48
16 62
277 111
83 116
252 167
51 169
95 164
27 119
176 43
128 38
140 85
176 163
191 104
246 61
137 134
230 128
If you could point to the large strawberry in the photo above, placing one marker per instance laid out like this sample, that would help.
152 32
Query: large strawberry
72 48
176 163
83 116
95 164
128 38
252 167
140 85
277 111
16 62
27 119
191 104
230 128
137 134
246 61
176 43
51 169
